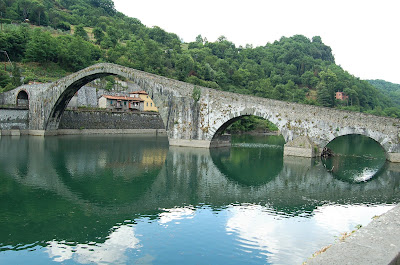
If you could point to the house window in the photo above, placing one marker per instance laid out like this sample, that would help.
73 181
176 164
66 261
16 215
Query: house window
151 104
147 104
125 103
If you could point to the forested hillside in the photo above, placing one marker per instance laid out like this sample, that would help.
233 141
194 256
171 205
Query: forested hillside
67 35
393 90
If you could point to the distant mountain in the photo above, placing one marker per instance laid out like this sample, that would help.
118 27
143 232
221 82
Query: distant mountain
390 89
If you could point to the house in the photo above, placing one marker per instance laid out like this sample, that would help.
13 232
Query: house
120 103
341 96
148 102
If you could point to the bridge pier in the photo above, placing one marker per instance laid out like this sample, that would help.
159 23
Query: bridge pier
393 157
190 143
302 147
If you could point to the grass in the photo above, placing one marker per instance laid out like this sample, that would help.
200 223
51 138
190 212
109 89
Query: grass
47 72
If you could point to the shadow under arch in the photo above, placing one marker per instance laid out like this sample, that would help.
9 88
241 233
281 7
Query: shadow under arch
65 97
356 158
252 160
71 84
22 99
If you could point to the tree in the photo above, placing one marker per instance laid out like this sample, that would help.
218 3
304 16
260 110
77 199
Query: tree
41 48
326 88
81 32
16 76
26 6
352 94
4 78
98 34
39 8
324 96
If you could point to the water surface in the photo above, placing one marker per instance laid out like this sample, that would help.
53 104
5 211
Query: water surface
130 199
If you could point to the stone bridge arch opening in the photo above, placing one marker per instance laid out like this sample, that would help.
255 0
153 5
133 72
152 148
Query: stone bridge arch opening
257 124
130 110
65 97
252 142
354 158
22 99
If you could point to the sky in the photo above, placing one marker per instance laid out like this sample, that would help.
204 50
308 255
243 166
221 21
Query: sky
363 34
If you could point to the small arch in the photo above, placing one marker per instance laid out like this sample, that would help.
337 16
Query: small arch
219 130
22 99
360 134
354 158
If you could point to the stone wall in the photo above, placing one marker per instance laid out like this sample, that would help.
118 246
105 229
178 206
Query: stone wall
83 119
11 119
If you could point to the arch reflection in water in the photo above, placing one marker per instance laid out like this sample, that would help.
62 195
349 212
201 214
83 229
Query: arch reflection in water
49 204
252 160
356 158
73 188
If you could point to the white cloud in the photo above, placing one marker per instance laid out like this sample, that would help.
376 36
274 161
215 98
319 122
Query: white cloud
291 239
175 214
112 251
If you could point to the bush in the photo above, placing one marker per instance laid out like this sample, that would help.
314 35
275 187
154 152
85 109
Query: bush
63 26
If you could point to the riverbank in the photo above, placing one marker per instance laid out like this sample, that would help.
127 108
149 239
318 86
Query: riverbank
150 132
376 243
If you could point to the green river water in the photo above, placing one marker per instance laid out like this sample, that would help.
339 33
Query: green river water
134 200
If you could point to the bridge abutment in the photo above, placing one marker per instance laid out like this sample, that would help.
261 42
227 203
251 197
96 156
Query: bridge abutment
393 157
190 143
302 147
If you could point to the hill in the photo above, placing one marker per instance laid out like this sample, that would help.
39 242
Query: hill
393 90
70 35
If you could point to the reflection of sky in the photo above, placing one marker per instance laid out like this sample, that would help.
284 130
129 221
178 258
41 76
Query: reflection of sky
112 251
288 240
176 214
237 234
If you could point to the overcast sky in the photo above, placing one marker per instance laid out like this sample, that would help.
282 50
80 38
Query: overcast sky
364 35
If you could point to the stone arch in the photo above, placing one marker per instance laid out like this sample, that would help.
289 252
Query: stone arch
65 97
22 99
60 93
371 136
382 141
226 121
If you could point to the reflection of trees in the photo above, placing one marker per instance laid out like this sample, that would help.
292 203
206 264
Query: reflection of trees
58 201
357 158
47 175
249 166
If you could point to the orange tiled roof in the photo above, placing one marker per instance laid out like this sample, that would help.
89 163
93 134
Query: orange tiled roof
122 98
139 92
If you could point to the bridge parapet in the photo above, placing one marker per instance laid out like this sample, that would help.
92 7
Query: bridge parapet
193 115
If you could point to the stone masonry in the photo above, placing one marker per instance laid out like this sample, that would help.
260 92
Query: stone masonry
192 121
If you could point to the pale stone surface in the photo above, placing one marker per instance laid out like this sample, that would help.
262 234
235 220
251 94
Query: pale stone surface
14 119
377 243
393 157
298 151
190 143
188 119
37 132
111 131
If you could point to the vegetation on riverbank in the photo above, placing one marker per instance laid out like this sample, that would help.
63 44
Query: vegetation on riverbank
70 35
252 124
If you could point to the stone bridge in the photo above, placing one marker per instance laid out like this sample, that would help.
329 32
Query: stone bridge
197 116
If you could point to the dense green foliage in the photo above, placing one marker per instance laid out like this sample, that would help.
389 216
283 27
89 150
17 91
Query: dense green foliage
293 69
393 90
251 124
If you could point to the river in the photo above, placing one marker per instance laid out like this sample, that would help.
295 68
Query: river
133 199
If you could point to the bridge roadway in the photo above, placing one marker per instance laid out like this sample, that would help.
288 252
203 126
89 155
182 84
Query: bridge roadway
200 122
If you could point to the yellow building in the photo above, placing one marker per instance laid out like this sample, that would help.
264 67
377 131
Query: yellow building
148 102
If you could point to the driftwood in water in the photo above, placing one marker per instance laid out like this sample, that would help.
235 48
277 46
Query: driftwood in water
326 152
